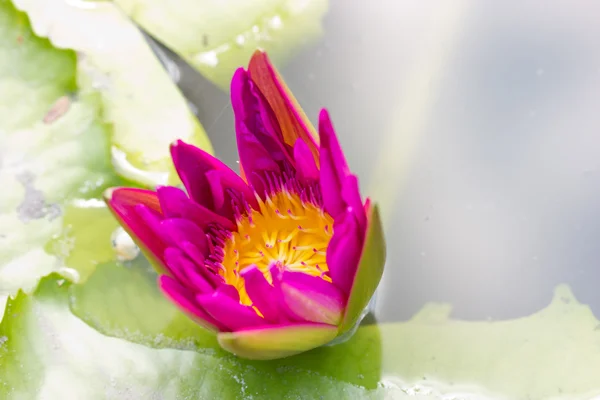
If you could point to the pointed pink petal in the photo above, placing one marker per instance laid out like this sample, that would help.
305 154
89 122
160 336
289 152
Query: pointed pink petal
311 298
194 254
261 293
291 118
254 158
334 168
229 312
176 204
184 299
276 341
306 167
179 230
351 196
122 202
186 272
343 252
221 184
193 164
330 143
229 291
330 187
252 110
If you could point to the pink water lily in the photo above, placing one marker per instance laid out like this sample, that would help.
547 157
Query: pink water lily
279 260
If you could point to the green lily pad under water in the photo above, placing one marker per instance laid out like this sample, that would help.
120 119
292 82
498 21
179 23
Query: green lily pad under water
143 347
216 40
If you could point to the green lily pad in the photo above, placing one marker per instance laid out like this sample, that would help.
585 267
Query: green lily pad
144 107
62 124
47 352
84 241
218 37
122 300
117 300
53 147
551 354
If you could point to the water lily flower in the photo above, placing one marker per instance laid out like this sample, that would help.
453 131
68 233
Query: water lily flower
278 260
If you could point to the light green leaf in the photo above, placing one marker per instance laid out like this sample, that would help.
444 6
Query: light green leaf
369 271
551 354
48 353
146 110
84 241
218 37
53 147
58 112
123 300
274 343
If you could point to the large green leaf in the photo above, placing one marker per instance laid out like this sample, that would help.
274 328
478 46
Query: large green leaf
53 145
123 300
59 112
48 353
218 37
146 110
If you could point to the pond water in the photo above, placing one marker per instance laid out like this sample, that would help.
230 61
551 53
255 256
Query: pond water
474 125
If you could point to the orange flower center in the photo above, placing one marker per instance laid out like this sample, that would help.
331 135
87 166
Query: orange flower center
286 231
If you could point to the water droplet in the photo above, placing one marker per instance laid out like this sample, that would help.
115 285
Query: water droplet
123 245
275 22
209 58
240 40
69 273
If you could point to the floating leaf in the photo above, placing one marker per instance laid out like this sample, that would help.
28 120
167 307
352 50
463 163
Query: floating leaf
47 352
53 147
146 110
218 37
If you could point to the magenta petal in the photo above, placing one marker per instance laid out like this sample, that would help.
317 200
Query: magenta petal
171 199
330 143
229 291
306 167
311 298
334 167
179 230
229 312
351 196
251 109
291 119
155 238
330 187
186 271
195 255
184 299
261 293
221 184
122 202
254 158
343 252
192 164
176 204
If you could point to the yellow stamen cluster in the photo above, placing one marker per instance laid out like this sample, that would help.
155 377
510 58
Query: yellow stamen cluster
286 231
